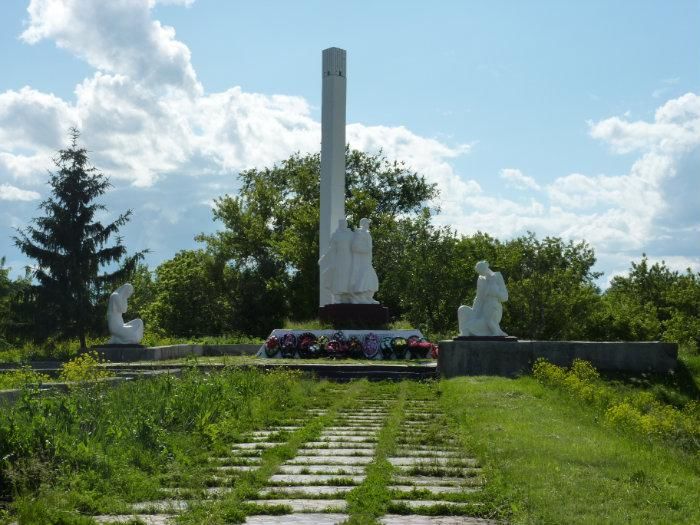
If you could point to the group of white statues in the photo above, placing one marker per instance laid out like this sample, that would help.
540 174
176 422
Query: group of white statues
346 270
346 266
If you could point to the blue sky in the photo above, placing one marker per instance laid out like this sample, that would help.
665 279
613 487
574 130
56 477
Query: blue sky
576 119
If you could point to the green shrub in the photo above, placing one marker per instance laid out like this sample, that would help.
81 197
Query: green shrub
21 377
85 367
640 412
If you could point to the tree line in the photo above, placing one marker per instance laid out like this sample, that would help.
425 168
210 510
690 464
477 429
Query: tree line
260 267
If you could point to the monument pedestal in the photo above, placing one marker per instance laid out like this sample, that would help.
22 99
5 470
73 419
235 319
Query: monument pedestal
513 358
355 316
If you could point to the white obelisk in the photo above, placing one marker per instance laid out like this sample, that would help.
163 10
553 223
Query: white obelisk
332 149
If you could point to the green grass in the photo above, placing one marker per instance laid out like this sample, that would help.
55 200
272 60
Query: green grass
548 459
98 449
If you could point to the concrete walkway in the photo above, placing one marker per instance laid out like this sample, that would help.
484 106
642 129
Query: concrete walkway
431 483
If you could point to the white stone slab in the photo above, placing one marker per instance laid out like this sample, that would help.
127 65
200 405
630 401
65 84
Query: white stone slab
307 490
437 480
411 519
305 518
419 503
315 479
322 468
330 460
337 451
148 519
431 461
435 489
305 505
264 444
166 506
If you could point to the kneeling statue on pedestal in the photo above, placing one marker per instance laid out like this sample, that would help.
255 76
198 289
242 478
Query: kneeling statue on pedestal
484 316
122 333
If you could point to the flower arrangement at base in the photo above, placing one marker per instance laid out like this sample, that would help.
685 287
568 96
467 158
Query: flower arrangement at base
338 345
336 349
355 349
288 342
370 346
419 347
272 346
400 346
385 348
305 342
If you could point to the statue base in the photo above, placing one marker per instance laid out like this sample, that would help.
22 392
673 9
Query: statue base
119 345
355 316
507 338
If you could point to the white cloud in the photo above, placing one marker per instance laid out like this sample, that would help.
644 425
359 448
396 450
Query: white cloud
652 208
30 119
147 121
517 179
13 193
117 36
676 128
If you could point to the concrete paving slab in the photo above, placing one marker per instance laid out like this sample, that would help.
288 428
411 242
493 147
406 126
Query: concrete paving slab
417 504
314 479
166 506
264 444
305 505
334 470
330 460
236 468
304 518
428 452
307 490
435 489
437 480
430 461
412 519
347 438
148 519
337 451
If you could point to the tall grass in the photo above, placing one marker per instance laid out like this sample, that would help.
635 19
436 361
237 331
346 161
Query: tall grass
101 448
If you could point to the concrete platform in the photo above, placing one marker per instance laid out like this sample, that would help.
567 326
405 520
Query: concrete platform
509 359
126 354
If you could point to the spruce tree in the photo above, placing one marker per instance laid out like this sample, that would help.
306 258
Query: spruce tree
71 248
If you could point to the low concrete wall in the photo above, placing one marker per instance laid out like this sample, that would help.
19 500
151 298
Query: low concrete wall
123 354
459 358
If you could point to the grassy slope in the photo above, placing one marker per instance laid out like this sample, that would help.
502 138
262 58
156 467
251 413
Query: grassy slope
551 461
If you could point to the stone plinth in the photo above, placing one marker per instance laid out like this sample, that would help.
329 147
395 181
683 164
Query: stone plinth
509 358
129 353
356 316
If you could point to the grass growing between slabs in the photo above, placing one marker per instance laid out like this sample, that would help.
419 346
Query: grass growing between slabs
239 503
98 449
547 457
371 498
550 459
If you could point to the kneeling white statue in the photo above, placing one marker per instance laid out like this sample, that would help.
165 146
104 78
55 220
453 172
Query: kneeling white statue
484 316
122 333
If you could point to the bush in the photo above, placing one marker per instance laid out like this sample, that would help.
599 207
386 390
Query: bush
640 412
21 377
85 367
